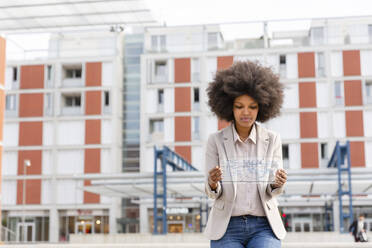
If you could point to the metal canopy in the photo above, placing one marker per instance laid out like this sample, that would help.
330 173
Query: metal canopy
321 182
46 15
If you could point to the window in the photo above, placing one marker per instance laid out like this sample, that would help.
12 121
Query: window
195 70
323 151
10 102
196 128
161 71
320 64
15 73
283 65
156 129
72 71
212 41
48 103
49 72
158 43
339 94
369 91
160 101
317 35
285 154
196 99
106 98
370 33
72 100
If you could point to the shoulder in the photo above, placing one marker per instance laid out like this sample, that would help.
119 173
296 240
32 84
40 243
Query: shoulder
264 132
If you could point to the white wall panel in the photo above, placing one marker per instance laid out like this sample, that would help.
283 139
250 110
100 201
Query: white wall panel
168 100
367 118
366 62
148 164
48 134
290 96
273 62
294 156
9 193
10 134
69 192
208 126
291 122
151 101
339 124
368 153
169 129
324 125
46 192
322 95
107 165
106 131
336 64
47 166
197 157
8 78
107 74
252 58
10 163
359 33
71 132
292 67
70 162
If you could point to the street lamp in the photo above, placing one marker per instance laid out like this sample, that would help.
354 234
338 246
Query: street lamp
26 163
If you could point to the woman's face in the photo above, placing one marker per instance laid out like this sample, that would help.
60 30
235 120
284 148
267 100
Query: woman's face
245 111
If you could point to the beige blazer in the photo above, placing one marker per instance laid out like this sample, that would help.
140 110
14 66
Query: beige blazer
220 147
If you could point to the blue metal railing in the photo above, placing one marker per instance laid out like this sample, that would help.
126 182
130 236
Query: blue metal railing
338 161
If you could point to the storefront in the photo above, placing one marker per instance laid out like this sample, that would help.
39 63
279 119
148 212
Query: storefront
82 222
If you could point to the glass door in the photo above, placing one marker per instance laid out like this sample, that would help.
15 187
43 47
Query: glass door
26 232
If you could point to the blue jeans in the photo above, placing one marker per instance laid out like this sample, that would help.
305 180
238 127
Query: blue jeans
247 232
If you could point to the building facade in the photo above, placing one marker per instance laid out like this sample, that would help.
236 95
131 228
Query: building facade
62 116
327 72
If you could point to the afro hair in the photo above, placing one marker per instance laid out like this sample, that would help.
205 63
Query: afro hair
246 78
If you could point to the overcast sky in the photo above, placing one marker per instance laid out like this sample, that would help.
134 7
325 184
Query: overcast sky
190 12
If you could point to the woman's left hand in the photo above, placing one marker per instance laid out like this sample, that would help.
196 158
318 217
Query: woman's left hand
280 178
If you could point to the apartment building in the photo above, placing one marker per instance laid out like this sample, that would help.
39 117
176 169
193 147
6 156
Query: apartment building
63 112
326 68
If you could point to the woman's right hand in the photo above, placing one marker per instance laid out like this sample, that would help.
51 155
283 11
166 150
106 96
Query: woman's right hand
215 175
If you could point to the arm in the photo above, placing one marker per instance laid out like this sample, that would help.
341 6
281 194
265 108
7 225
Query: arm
211 161
277 157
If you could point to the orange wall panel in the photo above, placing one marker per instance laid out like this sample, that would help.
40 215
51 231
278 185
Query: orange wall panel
354 123
306 64
93 104
351 62
32 77
357 156
93 74
92 164
309 155
224 62
307 95
353 93
31 133
2 60
308 125
182 99
33 191
93 132
185 152
182 128
2 108
182 70
31 105
90 198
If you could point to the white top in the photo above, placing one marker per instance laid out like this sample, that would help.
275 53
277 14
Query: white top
247 199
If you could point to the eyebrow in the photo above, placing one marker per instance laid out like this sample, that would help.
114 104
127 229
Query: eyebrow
243 103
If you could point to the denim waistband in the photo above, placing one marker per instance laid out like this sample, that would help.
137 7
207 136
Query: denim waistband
248 216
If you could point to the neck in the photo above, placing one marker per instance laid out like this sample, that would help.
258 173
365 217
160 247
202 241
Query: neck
243 132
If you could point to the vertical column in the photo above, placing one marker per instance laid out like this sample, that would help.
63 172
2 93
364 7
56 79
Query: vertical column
308 120
224 62
182 103
30 132
2 107
353 97
93 106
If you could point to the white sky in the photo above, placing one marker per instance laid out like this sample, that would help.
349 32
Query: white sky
190 12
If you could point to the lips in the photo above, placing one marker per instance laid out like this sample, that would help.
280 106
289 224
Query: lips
245 119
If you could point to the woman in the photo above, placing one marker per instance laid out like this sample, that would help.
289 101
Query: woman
245 213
